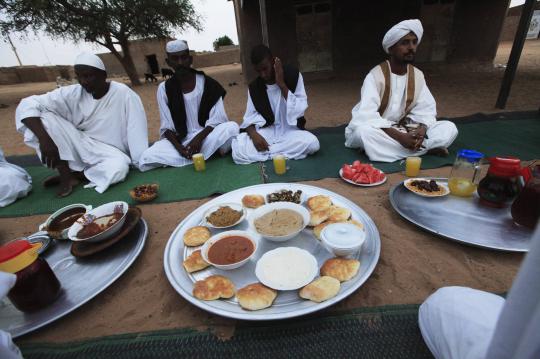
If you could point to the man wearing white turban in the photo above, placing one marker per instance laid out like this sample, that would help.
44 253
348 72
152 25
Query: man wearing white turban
191 112
396 115
90 131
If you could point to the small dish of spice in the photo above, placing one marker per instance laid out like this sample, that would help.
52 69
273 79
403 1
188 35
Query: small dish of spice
224 215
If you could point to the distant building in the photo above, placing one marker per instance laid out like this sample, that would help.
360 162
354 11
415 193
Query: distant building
334 35
512 20
149 57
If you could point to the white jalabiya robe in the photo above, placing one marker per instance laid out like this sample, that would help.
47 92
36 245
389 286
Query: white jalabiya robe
100 137
364 130
163 153
283 136
464 323
14 182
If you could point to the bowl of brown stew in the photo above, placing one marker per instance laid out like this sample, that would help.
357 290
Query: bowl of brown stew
58 223
230 249
100 223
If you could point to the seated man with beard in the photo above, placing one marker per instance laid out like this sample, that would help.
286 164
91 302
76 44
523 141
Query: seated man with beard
192 115
396 115
93 130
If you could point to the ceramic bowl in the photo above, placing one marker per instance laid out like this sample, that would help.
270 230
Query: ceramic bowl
234 206
206 246
62 233
100 211
261 211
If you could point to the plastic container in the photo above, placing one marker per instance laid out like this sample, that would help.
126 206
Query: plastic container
343 239
464 179
37 286
502 183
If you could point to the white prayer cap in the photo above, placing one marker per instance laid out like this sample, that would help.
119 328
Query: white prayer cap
176 46
398 31
88 59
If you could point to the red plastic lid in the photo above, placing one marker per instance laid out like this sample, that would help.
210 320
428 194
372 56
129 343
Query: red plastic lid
505 166
13 249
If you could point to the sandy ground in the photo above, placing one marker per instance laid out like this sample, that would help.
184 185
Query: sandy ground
412 265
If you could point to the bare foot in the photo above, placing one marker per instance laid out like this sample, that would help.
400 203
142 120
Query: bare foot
66 186
50 181
438 151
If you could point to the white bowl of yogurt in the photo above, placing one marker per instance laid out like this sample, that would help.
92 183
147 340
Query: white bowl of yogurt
286 268
343 239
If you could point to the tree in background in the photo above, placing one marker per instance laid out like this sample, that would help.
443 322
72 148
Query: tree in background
110 23
222 41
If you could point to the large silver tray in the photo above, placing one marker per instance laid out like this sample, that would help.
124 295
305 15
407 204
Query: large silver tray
287 304
463 220
81 279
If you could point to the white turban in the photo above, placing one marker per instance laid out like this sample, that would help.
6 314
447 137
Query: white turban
89 59
398 31
176 46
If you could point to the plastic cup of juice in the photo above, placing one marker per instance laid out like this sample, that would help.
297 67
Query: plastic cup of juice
412 166
198 162
280 166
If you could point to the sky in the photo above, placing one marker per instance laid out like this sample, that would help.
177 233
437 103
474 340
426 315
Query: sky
218 20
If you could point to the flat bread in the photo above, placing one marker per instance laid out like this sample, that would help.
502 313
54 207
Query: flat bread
318 203
318 228
342 269
213 287
355 222
318 217
195 236
256 296
253 200
195 262
321 289
339 214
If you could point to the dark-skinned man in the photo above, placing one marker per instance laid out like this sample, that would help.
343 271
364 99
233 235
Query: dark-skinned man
192 115
274 119
396 115
93 130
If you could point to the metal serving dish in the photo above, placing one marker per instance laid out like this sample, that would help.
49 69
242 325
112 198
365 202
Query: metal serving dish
81 280
461 219
287 304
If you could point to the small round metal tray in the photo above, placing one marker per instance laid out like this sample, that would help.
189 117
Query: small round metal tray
81 280
460 219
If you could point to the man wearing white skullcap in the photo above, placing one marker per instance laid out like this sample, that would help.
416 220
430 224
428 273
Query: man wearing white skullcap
192 115
90 131
396 115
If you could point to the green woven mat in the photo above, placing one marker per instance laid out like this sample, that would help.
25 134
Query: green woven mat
515 134
381 332
176 184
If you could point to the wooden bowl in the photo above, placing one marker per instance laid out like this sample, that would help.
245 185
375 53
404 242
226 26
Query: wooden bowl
144 192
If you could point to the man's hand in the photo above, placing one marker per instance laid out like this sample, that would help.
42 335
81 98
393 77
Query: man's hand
278 70
280 79
49 152
194 146
258 141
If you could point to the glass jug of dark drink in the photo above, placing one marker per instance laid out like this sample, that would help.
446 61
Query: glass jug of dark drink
502 183
526 207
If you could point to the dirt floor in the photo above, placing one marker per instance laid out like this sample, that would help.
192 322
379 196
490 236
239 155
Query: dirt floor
412 264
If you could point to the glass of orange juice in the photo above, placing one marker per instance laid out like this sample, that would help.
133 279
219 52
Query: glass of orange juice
412 166
198 162
280 164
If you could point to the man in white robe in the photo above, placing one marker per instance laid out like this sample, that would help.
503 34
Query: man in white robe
396 115
96 127
14 182
192 115
465 323
274 119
